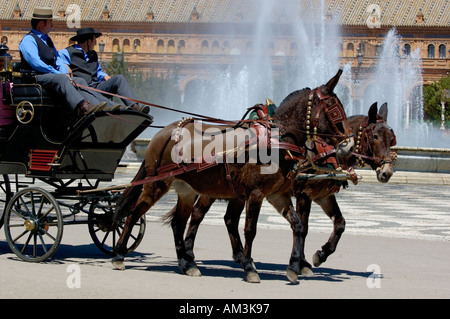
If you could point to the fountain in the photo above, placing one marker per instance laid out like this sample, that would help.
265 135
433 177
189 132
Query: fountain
230 90
316 39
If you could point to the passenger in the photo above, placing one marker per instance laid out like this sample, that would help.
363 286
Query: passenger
83 61
38 54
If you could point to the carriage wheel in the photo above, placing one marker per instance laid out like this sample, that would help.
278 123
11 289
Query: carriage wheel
5 196
99 219
33 224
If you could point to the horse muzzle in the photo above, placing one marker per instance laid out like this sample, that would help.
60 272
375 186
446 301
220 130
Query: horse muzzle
345 148
385 172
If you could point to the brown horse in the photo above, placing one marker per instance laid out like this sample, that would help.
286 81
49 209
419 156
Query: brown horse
375 138
296 116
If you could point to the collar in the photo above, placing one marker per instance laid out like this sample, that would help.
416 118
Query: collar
76 46
40 34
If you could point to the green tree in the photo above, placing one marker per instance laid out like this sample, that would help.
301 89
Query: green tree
433 95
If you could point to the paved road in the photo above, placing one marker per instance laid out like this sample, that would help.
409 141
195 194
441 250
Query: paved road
411 205
396 245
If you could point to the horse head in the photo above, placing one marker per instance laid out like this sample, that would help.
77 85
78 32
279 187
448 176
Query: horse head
375 140
335 118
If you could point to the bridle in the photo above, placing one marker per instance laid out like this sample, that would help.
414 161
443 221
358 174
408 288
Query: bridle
335 114
365 140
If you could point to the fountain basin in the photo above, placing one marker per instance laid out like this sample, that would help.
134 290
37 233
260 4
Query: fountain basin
421 159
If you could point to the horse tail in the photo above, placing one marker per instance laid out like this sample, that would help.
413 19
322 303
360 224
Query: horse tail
167 218
129 196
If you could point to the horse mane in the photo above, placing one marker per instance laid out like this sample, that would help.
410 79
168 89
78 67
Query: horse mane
285 109
294 95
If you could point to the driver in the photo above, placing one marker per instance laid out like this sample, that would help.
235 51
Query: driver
83 60
38 54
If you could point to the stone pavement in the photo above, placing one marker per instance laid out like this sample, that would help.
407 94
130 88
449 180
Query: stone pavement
395 245
410 205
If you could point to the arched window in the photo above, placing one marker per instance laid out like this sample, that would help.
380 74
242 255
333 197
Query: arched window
171 47
115 45
160 46
181 46
126 46
4 40
137 45
350 50
407 49
216 47
205 47
442 52
341 49
431 51
362 48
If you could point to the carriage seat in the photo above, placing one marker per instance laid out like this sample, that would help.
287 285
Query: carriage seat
26 88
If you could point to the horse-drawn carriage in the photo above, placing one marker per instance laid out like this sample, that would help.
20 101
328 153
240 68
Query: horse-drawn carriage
43 144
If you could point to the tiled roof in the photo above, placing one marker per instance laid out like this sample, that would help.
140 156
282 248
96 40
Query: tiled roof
348 12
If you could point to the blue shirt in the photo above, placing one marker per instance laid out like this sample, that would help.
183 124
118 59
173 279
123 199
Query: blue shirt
66 58
30 52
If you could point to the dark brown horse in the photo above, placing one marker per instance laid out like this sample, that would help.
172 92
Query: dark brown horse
375 138
302 112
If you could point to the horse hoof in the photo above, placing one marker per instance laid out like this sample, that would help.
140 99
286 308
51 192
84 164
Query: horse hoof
316 259
118 264
292 275
307 272
193 272
252 277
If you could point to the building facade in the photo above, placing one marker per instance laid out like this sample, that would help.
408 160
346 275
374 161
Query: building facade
157 34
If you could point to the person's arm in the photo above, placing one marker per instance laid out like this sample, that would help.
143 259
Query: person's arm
29 49
63 62
102 75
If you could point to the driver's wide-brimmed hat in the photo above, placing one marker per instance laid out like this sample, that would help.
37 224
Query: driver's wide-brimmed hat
43 13
81 33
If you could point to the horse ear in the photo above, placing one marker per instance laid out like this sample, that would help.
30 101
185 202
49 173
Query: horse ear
373 110
383 113
333 82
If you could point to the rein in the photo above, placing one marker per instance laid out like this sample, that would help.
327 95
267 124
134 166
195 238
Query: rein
335 114
212 119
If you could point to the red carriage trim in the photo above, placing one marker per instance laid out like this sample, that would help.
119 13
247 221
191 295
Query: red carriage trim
41 160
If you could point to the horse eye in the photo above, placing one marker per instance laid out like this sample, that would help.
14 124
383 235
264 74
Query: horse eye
375 136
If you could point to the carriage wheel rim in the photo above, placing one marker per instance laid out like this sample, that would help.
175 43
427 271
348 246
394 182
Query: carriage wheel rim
33 238
106 239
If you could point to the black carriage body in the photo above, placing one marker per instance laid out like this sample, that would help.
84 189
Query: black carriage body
42 139
56 145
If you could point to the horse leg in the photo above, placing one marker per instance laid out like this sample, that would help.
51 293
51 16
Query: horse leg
331 208
282 202
231 218
253 207
183 210
303 208
201 207
150 194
